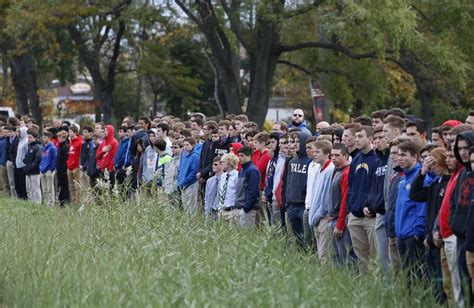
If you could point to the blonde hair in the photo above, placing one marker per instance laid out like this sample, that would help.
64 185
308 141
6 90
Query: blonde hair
230 159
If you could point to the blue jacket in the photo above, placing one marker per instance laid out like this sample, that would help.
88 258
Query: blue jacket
48 160
409 215
3 150
303 126
122 157
188 167
85 149
375 201
249 190
360 176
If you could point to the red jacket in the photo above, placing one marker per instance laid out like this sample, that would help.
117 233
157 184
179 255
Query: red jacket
105 160
341 221
261 161
74 153
444 211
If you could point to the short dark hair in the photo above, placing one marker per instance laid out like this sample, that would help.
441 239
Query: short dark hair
217 158
123 128
410 146
369 131
88 128
160 144
186 133
33 132
363 120
379 114
395 121
471 113
421 125
164 127
429 147
342 147
48 134
74 129
190 140
146 120
198 121
247 151
396 112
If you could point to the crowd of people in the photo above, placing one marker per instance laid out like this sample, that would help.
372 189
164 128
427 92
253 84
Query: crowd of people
373 189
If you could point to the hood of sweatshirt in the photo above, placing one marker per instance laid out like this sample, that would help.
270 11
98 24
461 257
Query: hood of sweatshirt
469 138
302 137
23 133
110 134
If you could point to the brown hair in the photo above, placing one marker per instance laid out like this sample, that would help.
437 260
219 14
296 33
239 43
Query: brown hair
410 146
262 137
324 145
369 131
379 114
439 154
395 122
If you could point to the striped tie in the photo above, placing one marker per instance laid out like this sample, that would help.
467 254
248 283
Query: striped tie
224 190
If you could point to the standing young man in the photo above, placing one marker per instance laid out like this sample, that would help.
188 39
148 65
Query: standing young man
211 199
73 171
337 210
409 214
61 169
295 185
32 167
162 131
187 180
361 227
106 152
319 219
48 169
20 176
348 138
122 159
248 191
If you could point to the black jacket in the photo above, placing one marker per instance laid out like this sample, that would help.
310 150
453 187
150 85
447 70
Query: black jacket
375 200
63 153
33 158
433 195
205 159
460 209
14 149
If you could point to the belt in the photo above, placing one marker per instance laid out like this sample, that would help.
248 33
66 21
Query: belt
231 208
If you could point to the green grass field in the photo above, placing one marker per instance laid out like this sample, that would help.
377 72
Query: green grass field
153 255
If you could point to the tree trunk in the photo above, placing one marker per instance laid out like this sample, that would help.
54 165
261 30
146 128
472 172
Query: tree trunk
32 87
107 105
18 81
263 62
5 75
425 91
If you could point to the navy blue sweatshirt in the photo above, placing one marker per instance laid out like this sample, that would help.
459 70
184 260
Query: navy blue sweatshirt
296 175
85 149
249 191
362 166
375 201
33 158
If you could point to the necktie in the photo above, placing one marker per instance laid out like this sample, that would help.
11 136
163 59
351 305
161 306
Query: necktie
224 190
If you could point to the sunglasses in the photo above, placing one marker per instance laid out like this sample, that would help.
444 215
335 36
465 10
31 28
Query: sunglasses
216 164
175 147
298 115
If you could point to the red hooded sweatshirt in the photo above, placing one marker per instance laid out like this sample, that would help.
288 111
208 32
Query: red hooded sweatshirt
74 153
235 149
261 159
105 160
444 211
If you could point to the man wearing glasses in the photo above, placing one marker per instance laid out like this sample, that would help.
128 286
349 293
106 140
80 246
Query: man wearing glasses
298 121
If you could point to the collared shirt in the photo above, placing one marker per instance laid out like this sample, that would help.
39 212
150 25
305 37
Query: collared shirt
231 191
211 197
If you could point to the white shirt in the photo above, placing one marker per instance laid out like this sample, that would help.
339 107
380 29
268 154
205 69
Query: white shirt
231 191
312 171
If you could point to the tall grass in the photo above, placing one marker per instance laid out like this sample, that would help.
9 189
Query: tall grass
152 255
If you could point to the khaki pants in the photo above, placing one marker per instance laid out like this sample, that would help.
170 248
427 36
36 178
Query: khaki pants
247 220
85 180
74 177
4 180
33 188
323 238
11 179
230 217
451 253
394 256
447 287
189 198
362 232
470 266
47 186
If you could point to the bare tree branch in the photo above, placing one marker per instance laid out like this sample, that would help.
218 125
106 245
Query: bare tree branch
331 46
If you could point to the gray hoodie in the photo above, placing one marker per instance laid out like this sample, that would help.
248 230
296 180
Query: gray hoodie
22 147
